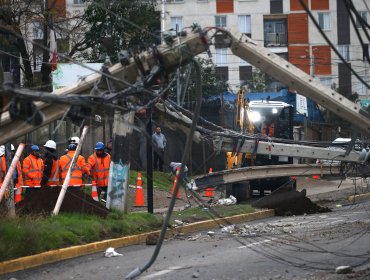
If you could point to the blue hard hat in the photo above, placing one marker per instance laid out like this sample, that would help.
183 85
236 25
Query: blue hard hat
72 147
35 148
99 146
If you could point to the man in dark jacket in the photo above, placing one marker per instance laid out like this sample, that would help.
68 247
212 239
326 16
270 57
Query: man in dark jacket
50 175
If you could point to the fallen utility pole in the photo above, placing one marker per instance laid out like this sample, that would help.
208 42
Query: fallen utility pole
272 171
68 176
9 174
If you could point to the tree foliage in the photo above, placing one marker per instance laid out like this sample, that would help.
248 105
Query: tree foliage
120 25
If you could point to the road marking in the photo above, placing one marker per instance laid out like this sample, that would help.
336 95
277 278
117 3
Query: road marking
164 271
256 243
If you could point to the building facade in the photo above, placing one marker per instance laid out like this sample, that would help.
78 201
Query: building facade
286 29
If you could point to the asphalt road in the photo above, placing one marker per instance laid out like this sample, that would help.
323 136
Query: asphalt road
301 247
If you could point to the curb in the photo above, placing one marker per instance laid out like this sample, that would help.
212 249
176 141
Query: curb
81 250
359 197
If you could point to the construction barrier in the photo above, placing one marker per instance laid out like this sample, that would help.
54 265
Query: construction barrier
94 193
209 192
139 201
175 182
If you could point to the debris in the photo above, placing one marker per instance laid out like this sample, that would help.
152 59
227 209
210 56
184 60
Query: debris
194 237
211 233
110 252
152 239
178 222
195 275
338 206
227 201
191 185
289 202
229 229
344 269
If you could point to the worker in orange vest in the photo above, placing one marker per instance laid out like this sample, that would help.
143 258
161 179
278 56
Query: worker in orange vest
17 175
78 170
32 168
98 164
50 176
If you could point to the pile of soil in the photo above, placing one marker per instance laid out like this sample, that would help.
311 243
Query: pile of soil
290 202
43 200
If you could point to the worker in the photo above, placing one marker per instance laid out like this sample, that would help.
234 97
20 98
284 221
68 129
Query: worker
77 172
98 165
33 167
50 175
17 174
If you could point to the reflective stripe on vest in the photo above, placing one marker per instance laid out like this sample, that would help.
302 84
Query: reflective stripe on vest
75 168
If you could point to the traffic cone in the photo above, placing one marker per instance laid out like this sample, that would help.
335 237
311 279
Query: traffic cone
139 191
175 182
316 177
18 195
94 193
209 191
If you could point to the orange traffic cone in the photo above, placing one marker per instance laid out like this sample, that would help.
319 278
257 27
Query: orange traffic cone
316 177
139 191
18 195
94 193
175 182
209 191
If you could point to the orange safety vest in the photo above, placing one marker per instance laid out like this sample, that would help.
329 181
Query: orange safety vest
99 169
54 175
32 170
76 175
3 172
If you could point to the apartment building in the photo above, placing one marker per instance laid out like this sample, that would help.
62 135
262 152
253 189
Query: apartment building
285 28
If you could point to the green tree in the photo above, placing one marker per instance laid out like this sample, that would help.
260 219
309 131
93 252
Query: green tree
119 25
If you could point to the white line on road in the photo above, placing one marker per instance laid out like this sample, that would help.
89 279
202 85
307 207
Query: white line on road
164 271
257 243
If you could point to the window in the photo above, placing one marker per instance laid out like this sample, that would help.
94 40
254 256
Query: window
78 2
326 81
38 30
221 56
344 51
220 21
176 25
324 21
363 15
276 6
245 25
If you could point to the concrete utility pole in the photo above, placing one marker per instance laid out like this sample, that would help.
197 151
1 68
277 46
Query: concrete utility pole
120 164
68 177
149 161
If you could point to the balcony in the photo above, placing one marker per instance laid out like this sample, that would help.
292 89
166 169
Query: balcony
276 40
275 33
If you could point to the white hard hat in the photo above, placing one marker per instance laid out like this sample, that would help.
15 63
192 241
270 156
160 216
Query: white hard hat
50 144
74 140
2 150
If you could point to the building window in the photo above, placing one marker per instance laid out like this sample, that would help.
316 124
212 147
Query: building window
276 6
38 30
79 2
324 21
275 33
220 21
245 25
222 73
221 56
363 15
326 81
344 51
176 25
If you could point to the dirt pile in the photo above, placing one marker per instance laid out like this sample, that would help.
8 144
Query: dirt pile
290 202
42 201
